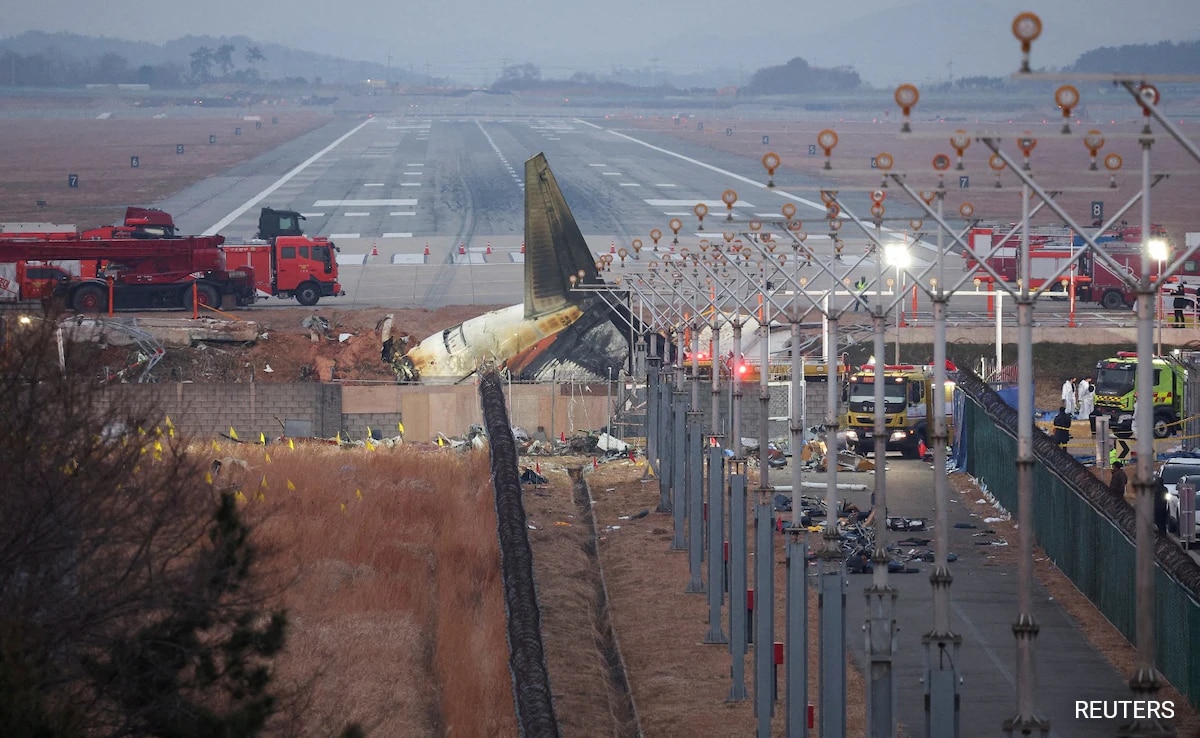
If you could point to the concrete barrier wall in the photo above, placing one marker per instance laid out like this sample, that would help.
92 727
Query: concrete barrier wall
206 410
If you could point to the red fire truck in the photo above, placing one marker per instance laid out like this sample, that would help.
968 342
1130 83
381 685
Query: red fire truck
142 263
1050 248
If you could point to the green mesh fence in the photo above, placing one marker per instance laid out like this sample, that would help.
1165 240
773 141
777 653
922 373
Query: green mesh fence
1088 545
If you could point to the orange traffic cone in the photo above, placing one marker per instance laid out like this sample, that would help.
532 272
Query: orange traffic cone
489 248
462 247
562 436
522 247
374 249
612 247
537 467
427 249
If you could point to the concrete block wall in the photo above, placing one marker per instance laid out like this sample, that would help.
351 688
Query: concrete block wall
206 410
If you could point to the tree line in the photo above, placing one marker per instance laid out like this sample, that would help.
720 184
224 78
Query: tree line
52 69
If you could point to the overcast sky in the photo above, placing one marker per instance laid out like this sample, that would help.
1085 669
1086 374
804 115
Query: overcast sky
886 40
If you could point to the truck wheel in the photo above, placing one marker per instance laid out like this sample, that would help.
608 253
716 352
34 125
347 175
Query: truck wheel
206 294
1112 300
307 294
1162 425
90 298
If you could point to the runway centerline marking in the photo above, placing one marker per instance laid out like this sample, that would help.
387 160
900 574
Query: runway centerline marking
373 184
402 212
397 235
746 180
355 215
712 204
239 210
343 235
313 215
363 203
664 185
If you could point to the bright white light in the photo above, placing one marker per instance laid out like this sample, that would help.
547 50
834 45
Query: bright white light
24 320
1158 249
896 255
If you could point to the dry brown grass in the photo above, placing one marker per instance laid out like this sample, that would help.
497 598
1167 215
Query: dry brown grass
390 567
99 150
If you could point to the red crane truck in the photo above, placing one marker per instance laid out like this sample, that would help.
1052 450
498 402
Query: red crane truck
146 265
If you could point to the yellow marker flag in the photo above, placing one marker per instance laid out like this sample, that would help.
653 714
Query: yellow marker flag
441 442
232 433
370 446
239 496
167 420
266 457
215 446
400 427
262 438
291 487
358 493
208 477
263 483
260 497
368 431
141 431
291 444
158 446
158 430
344 512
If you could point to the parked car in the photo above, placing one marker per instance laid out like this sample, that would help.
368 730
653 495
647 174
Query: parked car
1172 470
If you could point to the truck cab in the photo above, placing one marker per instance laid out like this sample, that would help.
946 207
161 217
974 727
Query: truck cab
907 399
1116 380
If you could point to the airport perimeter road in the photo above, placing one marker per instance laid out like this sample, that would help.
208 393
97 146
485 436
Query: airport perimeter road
983 608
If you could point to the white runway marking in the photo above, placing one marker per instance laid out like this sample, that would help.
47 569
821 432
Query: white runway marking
401 212
410 184
612 174
313 215
237 213
355 215
630 184
413 174
664 185
712 204
598 165
397 235
414 164
373 184
362 203
343 235
678 213
745 180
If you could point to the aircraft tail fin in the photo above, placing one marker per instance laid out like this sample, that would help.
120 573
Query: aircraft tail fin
554 246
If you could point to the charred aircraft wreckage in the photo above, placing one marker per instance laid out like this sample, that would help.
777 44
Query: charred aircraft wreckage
559 331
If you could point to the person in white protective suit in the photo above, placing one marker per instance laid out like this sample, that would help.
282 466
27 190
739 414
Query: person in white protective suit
1087 402
1068 395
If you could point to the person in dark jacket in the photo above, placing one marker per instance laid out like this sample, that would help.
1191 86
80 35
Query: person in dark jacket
1181 304
1116 484
1062 427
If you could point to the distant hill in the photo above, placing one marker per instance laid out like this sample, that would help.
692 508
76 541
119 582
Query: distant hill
72 51
1160 58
